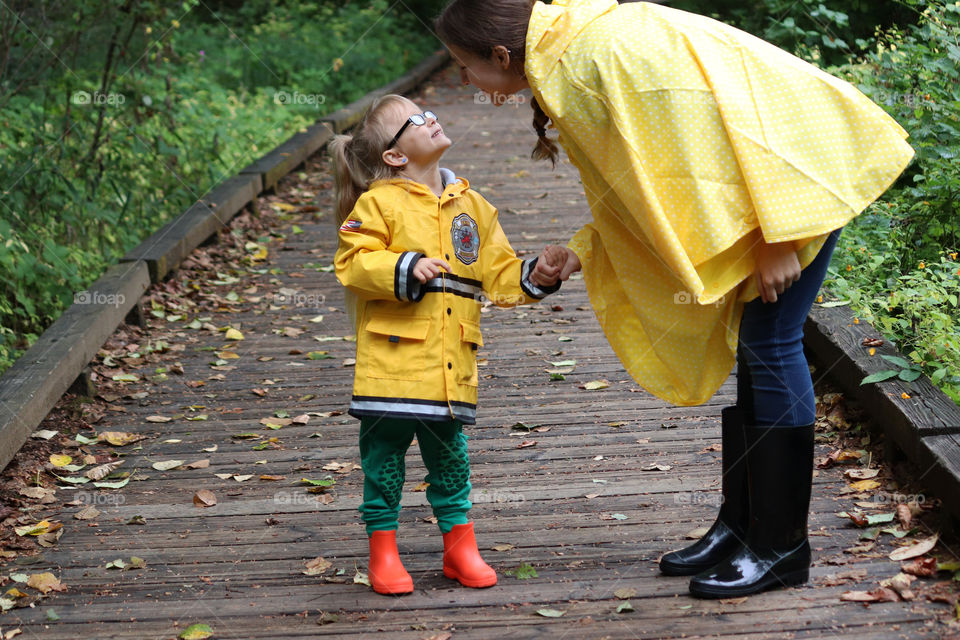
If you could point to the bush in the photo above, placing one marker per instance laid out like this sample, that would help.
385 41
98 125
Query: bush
897 263
151 114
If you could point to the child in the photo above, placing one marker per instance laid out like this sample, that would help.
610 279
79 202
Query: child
719 170
418 250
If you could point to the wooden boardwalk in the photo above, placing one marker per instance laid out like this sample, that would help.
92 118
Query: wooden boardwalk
580 505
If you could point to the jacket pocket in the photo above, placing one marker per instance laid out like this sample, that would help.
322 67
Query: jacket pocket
394 347
470 340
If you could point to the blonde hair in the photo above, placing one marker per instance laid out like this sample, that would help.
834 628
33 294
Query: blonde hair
358 158
477 26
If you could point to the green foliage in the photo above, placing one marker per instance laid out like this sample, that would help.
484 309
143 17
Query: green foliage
160 102
897 263
828 32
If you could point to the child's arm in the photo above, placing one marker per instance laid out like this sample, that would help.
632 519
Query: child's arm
507 279
549 264
364 265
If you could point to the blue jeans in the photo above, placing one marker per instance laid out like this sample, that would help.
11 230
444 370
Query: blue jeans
774 387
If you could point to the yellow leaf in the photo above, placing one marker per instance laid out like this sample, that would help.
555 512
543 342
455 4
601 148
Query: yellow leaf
196 632
233 334
60 460
119 438
595 385
865 485
45 582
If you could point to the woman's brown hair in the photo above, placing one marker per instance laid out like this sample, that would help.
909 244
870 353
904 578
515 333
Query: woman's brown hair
358 158
477 26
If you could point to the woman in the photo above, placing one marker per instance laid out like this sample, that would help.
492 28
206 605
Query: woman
719 171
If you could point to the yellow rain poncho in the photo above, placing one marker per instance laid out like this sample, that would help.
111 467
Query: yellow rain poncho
695 141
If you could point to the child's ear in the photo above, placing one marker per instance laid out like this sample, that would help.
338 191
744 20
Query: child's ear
394 158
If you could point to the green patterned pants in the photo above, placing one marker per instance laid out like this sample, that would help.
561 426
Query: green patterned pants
443 446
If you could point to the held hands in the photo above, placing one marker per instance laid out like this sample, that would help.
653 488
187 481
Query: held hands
777 268
429 268
549 264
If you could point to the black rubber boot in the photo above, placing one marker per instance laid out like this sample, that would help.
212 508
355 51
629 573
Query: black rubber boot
776 552
730 528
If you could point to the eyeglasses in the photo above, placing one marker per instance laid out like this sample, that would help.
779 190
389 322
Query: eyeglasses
418 119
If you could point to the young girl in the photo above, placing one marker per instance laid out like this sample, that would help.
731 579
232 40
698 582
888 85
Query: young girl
418 250
719 170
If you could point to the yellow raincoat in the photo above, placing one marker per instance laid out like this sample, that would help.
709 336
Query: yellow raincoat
417 343
695 141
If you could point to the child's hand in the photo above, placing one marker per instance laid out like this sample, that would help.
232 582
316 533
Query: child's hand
777 268
547 270
429 268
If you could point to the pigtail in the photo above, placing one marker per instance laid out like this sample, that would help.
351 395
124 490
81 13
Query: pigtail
346 190
546 149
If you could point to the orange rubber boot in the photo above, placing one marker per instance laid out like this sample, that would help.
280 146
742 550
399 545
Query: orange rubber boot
387 574
462 561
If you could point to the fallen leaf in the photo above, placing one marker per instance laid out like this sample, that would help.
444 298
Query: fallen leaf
865 485
44 434
625 607
913 551
204 498
60 460
196 632
119 438
45 583
527 443
102 471
233 334
922 567
904 515
502 547
87 513
167 465
595 385
158 419
550 613
861 474
317 566
625 593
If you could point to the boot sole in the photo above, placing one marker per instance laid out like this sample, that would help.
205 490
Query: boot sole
473 584
393 590
772 581
670 569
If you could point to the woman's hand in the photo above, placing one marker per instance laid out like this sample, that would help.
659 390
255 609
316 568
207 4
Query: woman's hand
777 268
570 264
429 268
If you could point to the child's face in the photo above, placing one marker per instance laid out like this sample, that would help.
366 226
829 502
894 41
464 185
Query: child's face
420 144
490 76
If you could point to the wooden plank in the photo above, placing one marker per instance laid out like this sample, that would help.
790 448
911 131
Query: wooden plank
166 249
939 464
32 386
283 159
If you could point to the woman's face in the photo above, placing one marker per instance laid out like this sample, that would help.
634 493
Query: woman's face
493 76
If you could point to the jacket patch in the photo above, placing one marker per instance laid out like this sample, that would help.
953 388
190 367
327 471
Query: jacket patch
466 239
351 225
